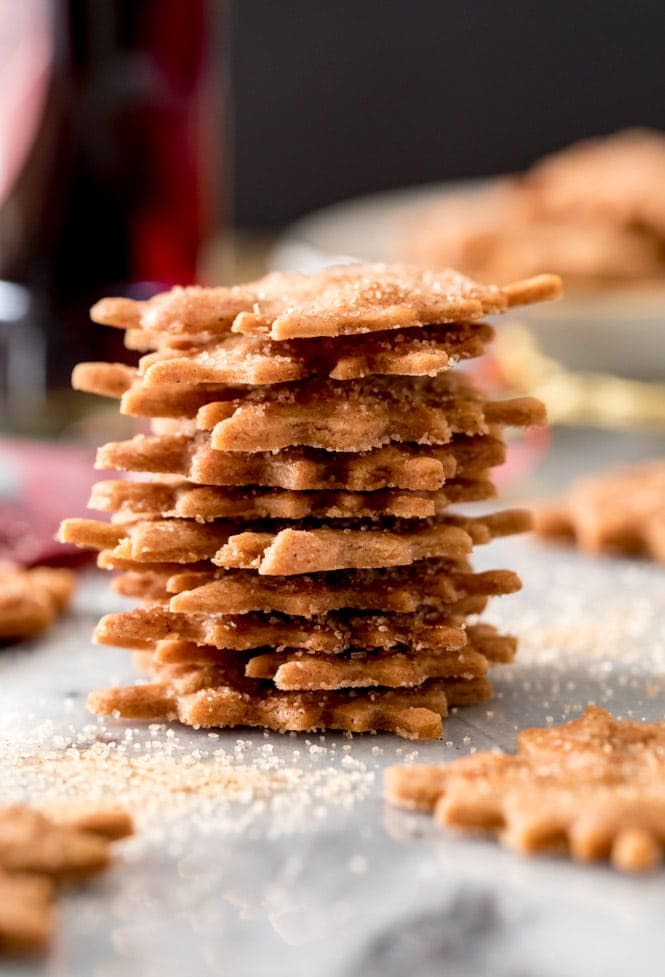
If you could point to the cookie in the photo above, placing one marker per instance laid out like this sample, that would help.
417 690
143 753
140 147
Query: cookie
593 786
300 671
289 551
301 469
500 231
425 629
594 213
27 918
37 851
254 360
344 300
123 382
285 552
349 416
195 697
296 551
432 582
617 177
360 415
621 511
428 639
129 501
30 600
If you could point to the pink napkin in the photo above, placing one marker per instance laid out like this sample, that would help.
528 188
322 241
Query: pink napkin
41 483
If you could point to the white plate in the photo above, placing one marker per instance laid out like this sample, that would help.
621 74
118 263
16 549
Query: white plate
361 229
620 331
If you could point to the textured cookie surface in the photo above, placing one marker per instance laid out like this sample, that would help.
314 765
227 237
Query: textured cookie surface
350 299
595 785
37 851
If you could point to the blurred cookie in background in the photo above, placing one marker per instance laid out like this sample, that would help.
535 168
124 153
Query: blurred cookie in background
594 213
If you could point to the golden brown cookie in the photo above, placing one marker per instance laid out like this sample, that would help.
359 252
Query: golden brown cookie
617 177
431 582
124 383
290 551
348 416
213 591
279 553
32 843
425 629
207 589
301 469
213 696
234 359
349 299
301 671
594 786
304 672
501 231
27 919
619 511
360 415
30 600
353 415
37 851
129 501
427 639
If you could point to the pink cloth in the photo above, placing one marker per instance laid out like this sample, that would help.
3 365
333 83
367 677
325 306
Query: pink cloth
41 483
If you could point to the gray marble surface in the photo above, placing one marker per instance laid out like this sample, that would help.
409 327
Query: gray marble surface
325 878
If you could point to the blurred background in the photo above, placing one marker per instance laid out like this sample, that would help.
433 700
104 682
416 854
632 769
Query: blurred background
140 140
145 143
337 99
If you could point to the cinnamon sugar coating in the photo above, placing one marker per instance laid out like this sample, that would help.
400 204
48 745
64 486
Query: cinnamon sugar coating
595 785
349 299
132 500
594 213
214 696
289 551
304 469
236 359
426 629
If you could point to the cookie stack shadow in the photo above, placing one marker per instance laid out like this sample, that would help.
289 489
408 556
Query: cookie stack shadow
292 544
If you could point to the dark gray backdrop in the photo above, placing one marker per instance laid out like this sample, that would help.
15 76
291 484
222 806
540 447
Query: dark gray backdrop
338 97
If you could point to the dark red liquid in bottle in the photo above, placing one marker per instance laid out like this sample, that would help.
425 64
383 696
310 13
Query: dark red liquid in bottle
121 185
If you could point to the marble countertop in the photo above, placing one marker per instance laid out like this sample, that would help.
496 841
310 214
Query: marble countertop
314 874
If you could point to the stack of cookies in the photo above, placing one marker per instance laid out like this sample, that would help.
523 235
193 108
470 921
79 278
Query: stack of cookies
292 545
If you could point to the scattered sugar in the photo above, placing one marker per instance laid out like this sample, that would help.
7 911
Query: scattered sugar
170 787
358 864
616 617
